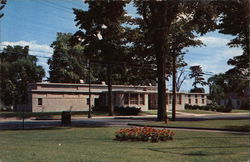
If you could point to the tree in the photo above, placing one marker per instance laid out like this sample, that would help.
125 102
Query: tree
103 34
156 22
197 74
217 87
3 3
181 78
18 68
234 20
67 64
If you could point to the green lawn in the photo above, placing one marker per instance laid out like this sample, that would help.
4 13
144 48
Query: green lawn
198 111
243 124
212 112
240 111
97 144
149 112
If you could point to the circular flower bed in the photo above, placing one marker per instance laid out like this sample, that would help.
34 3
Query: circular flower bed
144 134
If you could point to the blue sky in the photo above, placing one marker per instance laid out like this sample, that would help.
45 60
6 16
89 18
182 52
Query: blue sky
36 22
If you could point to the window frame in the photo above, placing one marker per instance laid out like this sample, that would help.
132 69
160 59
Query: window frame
133 99
40 101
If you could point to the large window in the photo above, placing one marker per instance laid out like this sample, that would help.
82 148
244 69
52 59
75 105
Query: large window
179 99
125 99
203 99
142 100
40 101
88 101
189 100
133 98
196 100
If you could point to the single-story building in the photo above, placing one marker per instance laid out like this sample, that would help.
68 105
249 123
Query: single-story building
51 97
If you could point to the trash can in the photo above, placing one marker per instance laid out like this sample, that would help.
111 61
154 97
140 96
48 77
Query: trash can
66 118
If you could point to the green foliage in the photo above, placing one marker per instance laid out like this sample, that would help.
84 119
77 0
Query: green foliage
197 90
2 5
18 68
104 36
68 64
128 110
210 107
223 84
197 74
234 20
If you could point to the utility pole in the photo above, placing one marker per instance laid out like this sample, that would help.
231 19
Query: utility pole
174 88
89 114
110 97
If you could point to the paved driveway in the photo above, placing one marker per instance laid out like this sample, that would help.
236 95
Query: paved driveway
110 121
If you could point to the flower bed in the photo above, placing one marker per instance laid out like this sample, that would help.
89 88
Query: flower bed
144 134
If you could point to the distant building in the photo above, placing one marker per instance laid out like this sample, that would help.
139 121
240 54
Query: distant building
51 97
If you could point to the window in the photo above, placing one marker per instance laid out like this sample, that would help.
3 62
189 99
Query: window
203 101
142 100
125 99
202 96
196 101
88 101
179 99
167 99
195 96
238 102
40 101
133 98
189 100
189 95
170 99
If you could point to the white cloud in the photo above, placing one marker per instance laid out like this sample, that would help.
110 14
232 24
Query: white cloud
214 41
43 50
212 58
35 48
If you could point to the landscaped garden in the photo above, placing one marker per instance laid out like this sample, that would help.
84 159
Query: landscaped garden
98 144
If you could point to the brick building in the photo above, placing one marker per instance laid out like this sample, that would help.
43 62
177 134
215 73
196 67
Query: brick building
51 97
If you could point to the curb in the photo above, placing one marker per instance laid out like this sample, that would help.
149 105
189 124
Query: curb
193 128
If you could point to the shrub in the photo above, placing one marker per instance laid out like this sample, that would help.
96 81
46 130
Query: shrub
4 107
206 107
197 90
127 110
245 105
144 134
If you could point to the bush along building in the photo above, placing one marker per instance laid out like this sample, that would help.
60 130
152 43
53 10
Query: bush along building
52 97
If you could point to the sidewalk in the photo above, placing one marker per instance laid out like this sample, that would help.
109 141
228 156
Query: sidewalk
200 129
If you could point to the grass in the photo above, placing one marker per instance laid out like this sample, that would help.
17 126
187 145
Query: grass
237 125
149 112
198 111
240 111
97 144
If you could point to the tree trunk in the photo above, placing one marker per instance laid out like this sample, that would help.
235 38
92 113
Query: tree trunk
174 88
162 115
110 97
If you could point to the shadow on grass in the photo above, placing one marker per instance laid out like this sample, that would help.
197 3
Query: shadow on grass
50 125
223 137
239 128
195 153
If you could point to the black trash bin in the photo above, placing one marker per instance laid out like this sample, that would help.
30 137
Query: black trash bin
66 118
